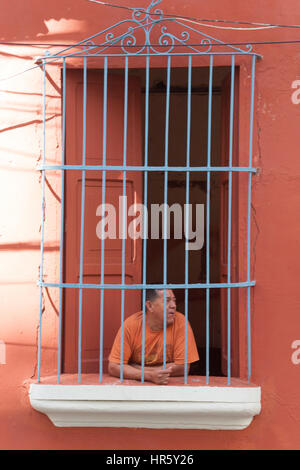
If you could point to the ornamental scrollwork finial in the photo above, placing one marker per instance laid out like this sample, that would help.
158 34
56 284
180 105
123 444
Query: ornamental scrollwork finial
153 4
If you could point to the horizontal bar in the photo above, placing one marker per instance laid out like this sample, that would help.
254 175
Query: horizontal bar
139 46
148 286
184 90
150 54
144 168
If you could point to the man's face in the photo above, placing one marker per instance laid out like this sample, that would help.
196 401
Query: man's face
156 308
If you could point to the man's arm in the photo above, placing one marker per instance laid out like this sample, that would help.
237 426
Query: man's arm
157 375
176 371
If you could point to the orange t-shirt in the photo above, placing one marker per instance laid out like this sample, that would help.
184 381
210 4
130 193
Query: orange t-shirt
154 342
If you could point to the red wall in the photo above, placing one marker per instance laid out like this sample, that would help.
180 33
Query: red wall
275 232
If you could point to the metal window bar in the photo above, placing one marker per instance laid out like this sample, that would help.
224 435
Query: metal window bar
124 220
59 359
145 224
230 222
187 225
82 215
208 215
105 73
89 51
166 200
170 285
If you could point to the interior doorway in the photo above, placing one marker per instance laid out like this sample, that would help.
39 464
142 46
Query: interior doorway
176 194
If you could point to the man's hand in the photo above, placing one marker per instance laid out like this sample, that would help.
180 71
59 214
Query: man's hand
160 376
156 374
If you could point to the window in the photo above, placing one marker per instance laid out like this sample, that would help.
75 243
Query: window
149 125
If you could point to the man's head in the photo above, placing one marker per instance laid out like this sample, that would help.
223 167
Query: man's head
157 300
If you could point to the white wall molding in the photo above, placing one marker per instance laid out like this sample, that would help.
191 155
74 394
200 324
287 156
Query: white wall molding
203 407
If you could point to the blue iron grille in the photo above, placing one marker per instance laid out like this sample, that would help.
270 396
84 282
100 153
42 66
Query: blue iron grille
127 47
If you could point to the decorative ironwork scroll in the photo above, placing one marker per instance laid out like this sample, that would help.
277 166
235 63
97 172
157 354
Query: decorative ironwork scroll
150 32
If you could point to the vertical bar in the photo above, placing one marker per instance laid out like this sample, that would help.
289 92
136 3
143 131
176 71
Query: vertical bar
165 200
208 216
187 212
249 216
42 223
82 214
62 203
145 224
103 213
123 209
229 224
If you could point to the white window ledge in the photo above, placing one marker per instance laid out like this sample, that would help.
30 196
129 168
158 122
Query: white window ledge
189 407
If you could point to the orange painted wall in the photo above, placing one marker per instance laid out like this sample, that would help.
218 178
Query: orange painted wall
275 231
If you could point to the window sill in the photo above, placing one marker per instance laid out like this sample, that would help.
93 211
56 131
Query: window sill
149 406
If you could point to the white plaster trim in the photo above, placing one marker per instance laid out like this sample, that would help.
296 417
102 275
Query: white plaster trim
145 406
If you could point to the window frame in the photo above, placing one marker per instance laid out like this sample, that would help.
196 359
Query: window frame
53 395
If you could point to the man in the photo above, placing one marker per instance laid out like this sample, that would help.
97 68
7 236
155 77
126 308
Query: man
154 342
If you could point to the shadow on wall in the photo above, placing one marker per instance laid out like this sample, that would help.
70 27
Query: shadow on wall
58 19
21 246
